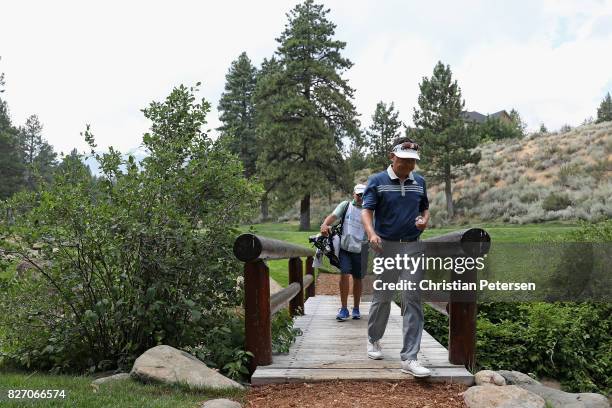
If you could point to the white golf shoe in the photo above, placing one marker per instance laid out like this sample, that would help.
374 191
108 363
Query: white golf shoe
415 368
375 350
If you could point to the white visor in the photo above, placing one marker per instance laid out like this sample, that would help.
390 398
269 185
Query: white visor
405 153
359 189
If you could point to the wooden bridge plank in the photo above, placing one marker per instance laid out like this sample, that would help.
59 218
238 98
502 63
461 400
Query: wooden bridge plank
328 350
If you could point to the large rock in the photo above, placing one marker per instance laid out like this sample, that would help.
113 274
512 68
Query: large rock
516 377
171 366
116 377
555 397
485 377
221 403
562 399
507 396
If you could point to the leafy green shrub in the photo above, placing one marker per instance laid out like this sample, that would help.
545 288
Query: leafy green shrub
436 324
496 129
529 197
567 171
568 341
556 201
143 260
283 332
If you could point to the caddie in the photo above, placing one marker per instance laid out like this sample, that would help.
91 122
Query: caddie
348 213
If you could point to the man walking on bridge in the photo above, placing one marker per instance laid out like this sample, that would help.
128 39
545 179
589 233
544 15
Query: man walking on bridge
397 197
352 235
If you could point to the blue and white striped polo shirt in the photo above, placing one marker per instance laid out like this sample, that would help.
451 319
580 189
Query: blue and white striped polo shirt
395 204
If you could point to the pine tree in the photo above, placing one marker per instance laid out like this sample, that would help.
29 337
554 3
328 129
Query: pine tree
39 159
543 128
11 167
604 112
384 129
518 123
447 142
237 112
73 169
305 110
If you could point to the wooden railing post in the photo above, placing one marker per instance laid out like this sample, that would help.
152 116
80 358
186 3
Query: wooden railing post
462 333
258 329
310 290
461 307
462 324
296 305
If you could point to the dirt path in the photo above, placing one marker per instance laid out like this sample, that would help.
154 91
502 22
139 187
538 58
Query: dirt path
341 394
327 284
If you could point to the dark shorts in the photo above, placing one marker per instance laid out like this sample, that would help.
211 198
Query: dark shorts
350 262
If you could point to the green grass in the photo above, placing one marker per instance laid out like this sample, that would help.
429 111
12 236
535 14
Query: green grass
279 269
80 393
133 394
500 233
505 233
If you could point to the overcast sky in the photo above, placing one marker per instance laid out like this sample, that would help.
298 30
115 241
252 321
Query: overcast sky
80 62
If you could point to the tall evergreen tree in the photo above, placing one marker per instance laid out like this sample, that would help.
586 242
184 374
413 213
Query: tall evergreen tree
518 123
270 69
73 169
384 128
446 140
306 109
237 112
39 158
604 112
11 167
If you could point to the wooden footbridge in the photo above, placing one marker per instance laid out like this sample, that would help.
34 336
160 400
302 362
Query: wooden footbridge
328 349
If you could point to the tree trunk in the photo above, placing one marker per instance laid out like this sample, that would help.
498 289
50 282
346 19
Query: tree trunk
447 191
305 213
264 207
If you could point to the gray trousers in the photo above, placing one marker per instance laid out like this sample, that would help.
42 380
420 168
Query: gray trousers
412 308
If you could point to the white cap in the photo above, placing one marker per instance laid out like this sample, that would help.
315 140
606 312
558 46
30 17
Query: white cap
359 189
405 151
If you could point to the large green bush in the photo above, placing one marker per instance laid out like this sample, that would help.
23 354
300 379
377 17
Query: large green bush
568 341
141 258
556 201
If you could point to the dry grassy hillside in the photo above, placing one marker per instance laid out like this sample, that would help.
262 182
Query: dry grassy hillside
542 177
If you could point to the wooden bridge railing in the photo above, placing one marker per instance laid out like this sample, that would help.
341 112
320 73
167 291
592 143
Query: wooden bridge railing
460 306
259 306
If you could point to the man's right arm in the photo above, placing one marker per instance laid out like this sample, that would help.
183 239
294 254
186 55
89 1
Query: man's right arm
327 223
333 218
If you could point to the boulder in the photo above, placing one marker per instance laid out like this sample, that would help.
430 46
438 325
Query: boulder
168 365
116 377
557 398
516 377
221 403
486 377
506 396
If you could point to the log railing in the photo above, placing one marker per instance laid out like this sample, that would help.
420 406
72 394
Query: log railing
460 307
259 306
